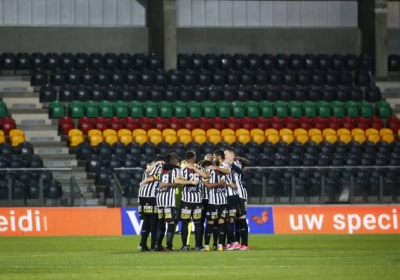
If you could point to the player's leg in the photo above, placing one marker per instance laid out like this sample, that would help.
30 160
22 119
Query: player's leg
243 227
203 219
212 216
153 229
221 227
185 220
215 234
198 234
145 232
170 219
230 223
160 229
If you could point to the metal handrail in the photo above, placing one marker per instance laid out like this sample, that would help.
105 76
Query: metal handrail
74 184
117 187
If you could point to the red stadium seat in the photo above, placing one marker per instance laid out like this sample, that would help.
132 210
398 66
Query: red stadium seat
160 125
116 125
203 120
334 125
159 120
114 120
219 125
248 125
188 119
131 125
289 120
306 125
85 127
348 125
304 119
292 125
144 120
363 125
66 127
190 125
232 119
8 126
173 120
392 119
101 126
204 125
129 120
277 125
378 125
318 120
99 120
175 125
395 126
145 125
246 120
261 119
262 125
333 119
320 125
346 120
65 120
234 125
374 119
276 119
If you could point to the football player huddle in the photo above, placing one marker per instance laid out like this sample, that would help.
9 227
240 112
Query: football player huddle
209 193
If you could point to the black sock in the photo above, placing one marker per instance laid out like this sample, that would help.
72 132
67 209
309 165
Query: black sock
230 232
244 231
198 234
237 231
160 232
221 228
215 234
184 233
145 231
209 232
170 235
202 226
153 229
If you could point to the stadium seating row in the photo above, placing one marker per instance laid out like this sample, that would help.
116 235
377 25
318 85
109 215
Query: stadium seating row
223 109
202 78
20 156
215 94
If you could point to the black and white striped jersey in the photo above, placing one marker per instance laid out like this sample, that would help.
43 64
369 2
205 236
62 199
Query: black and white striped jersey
229 190
150 189
191 193
237 179
217 196
166 196
205 191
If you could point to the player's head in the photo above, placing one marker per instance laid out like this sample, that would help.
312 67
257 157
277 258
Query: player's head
194 152
208 157
159 158
190 157
167 158
172 153
206 164
200 162
230 154
175 161
219 157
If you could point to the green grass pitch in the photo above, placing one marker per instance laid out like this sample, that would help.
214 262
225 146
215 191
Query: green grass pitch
271 257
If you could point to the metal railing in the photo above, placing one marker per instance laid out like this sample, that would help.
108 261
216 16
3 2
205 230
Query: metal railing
118 191
74 188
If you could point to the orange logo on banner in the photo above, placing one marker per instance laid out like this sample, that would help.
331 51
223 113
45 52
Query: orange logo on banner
336 219
59 221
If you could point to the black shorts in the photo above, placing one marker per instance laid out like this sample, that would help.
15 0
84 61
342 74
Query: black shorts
232 206
205 206
167 214
242 211
216 212
147 206
191 210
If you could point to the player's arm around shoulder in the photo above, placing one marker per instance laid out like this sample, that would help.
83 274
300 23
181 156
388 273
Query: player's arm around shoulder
199 171
214 185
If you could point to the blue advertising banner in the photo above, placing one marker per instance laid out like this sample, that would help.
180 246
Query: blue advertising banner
131 224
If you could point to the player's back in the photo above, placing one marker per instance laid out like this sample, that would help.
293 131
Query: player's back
166 196
191 193
217 195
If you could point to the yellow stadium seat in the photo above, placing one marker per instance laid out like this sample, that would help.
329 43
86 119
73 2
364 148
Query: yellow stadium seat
124 132
328 131
355 131
95 139
153 131
227 131
156 139
302 138
185 138
168 131
111 139
139 131
242 131
385 131
170 139
359 138
16 132
94 132
258 138
271 131
200 139
107 132
75 140
2 139
17 139
273 138
345 138
370 131
198 131
316 138
314 131
1 132
183 131
374 138
299 131
141 139
256 131
284 131
244 138
213 131
287 138
70 133
342 131
229 139
126 139
388 138
331 138
215 139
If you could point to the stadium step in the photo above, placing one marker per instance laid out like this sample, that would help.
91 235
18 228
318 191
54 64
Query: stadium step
47 144
51 151
22 103
7 84
20 95
30 117
35 127
49 162
46 135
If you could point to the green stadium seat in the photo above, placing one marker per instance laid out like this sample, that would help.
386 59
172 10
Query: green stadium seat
150 110
76 109
92 109
165 109
121 109
267 111
281 109
194 111
106 109
295 109
383 109
253 111
180 111
209 112
366 109
309 109
238 111
193 104
135 109
56 110
337 109
3 109
178 104
223 111
222 104
324 109
351 109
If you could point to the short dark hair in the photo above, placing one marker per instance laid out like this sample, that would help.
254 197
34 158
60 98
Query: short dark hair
175 160
159 158
190 155
232 150
172 152
220 153
206 163
200 162
191 150
167 158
